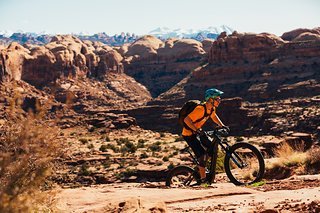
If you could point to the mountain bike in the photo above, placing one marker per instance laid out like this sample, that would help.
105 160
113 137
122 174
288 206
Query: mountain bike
243 163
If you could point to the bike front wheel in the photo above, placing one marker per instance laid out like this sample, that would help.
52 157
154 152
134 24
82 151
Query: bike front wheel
244 164
181 176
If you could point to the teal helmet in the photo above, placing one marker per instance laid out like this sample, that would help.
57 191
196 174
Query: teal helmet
212 93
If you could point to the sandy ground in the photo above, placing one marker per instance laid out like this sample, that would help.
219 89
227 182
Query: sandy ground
219 197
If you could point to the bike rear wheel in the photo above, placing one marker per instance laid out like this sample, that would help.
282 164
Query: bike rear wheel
182 176
244 164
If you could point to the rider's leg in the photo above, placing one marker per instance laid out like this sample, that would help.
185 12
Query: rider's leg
205 141
199 151
202 166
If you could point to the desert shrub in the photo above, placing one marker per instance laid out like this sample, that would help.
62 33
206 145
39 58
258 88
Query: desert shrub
84 170
155 147
112 147
83 140
239 139
180 138
144 155
122 140
73 133
128 147
313 161
165 158
90 146
290 157
103 148
106 164
288 160
141 143
162 134
28 147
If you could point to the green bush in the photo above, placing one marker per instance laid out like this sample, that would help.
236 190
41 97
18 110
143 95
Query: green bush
128 147
103 148
83 140
144 155
84 170
113 147
90 146
155 147
165 158
141 143
239 139
180 138
122 140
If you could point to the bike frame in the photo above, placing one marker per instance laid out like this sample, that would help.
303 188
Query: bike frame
216 140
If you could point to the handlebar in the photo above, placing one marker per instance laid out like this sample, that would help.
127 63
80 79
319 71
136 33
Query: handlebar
219 132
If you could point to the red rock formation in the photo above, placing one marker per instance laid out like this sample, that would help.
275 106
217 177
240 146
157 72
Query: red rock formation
64 56
244 48
307 36
12 60
161 67
144 48
39 69
289 36
206 44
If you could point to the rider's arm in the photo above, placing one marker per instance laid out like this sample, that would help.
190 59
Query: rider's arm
188 121
193 116
216 119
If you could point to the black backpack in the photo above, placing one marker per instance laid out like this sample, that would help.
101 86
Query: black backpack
187 108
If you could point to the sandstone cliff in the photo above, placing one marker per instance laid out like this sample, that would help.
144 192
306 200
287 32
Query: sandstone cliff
159 66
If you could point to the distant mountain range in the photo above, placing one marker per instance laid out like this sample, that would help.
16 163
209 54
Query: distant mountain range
200 34
116 40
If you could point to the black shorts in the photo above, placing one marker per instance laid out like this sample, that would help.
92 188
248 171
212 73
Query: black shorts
199 147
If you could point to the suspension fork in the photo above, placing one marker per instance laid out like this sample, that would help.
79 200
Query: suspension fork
234 157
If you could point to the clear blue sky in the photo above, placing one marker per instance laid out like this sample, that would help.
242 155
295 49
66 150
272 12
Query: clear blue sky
142 16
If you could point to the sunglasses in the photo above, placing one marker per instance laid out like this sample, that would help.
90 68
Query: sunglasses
216 99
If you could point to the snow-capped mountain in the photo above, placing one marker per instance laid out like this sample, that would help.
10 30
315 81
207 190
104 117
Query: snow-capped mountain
210 32
6 33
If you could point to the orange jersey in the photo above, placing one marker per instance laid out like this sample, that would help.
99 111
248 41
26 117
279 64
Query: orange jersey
196 114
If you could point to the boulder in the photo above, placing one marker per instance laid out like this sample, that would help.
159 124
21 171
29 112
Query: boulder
244 48
145 48
12 60
307 36
206 44
181 50
291 35
40 69
136 205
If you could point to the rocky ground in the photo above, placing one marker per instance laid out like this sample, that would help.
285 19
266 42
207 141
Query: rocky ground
124 171
219 197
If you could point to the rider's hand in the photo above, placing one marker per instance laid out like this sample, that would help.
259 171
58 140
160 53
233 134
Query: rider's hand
226 128
200 132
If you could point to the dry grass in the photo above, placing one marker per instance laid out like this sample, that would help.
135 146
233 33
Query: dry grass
291 157
313 161
288 162
28 147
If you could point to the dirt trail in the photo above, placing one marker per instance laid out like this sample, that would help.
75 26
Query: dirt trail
220 197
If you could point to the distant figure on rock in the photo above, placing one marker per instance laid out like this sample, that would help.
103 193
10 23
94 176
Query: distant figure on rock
193 116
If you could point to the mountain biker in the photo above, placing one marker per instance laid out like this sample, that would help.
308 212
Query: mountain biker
194 124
